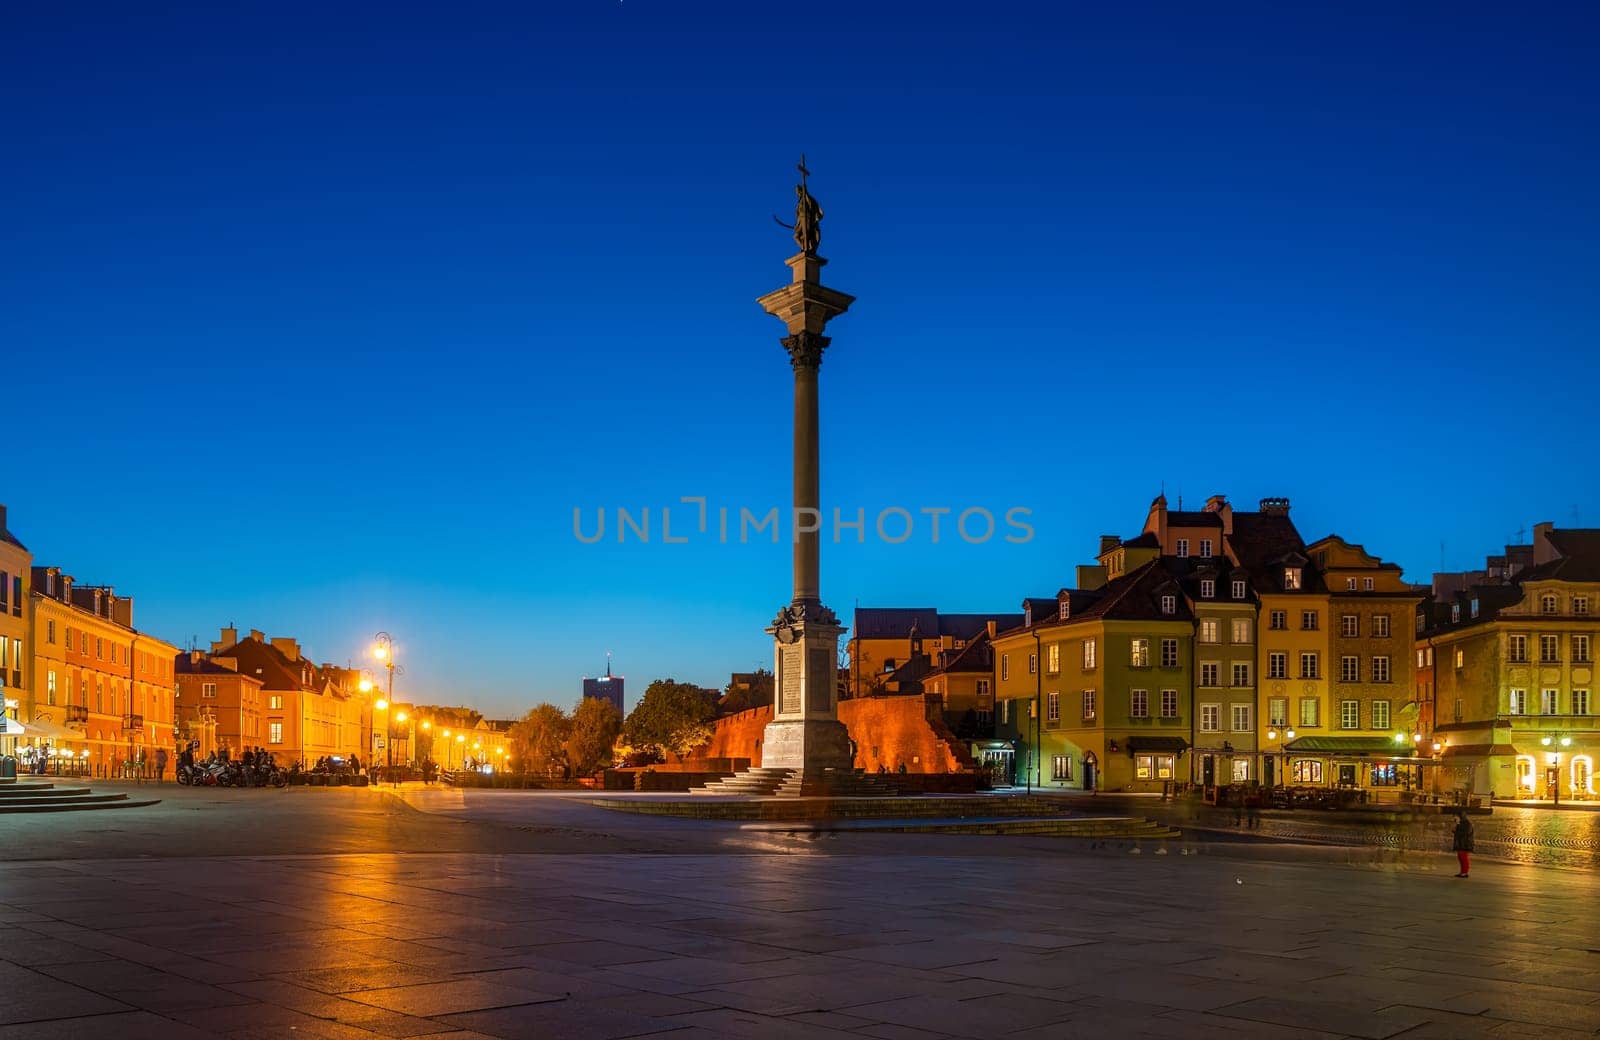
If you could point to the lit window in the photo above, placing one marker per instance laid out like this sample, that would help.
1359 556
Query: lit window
1291 578
274 733
1053 658
1307 771
1209 632
1088 655
1241 630
1518 702
1278 711
1061 767
1139 653
1310 712
1088 704
275 702
1241 770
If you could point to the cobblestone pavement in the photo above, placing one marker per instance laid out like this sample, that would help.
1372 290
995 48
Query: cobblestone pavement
1060 944
1536 836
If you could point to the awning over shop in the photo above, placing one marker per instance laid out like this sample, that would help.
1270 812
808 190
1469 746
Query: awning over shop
1478 750
1351 746
1166 744
43 728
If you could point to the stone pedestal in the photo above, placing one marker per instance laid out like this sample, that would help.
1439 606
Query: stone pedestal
805 731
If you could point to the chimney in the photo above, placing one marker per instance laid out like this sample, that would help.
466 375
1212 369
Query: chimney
258 635
992 626
121 610
1543 550
1108 542
1275 506
196 656
1219 504
287 647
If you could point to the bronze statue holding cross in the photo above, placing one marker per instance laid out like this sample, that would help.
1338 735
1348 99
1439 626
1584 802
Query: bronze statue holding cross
807 226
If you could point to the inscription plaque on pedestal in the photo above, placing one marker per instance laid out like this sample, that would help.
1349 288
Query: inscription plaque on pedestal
790 693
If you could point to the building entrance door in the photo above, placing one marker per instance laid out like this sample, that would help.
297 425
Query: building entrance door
1552 782
1347 775
1091 771
1269 772
1208 770
1001 765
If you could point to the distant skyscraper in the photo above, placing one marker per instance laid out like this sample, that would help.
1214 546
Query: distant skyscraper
607 687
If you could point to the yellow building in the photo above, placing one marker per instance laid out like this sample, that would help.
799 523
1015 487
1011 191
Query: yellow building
1514 674
311 711
15 657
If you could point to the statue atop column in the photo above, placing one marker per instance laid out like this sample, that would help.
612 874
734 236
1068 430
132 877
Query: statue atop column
807 226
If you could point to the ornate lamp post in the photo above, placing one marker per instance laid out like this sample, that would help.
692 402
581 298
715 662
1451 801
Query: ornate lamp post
1555 742
383 652
1286 735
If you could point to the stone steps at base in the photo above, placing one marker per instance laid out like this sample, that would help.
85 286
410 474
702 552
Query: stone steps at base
745 807
41 797
111 802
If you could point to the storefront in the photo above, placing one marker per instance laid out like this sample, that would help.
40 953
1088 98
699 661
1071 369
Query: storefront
1375 764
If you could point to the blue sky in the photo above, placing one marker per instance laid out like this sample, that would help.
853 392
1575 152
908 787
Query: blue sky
324 319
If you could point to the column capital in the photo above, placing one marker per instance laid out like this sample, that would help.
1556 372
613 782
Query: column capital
805 349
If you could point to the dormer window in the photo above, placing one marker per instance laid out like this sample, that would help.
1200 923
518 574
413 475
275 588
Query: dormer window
1169 604
1548 604
1027 614
1205 548
1066 610
1208 589
1455 612
1291 577
1238 588
1349 584
1366 584
1183 547
1474 606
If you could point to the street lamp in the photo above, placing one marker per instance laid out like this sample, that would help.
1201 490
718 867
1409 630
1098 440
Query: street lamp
1555 742
383 653
1287 735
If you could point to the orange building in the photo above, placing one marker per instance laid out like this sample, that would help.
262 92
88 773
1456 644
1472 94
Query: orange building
104 687
308 711
216 705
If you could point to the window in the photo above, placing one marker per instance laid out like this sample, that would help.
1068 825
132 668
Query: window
1277 665
1461 658
1208 588
1308 666
1169 604
1183 547
1139 653
1278 711
1580 604
1380 626
1310 712
1241 718
1152 767
1350 584
1005 667
1209 674
1549 702
1308 621
1088 704
1053 658
1209 632
1474 606
1349 714
1518 702
1210 718
1088 655
1380 714
1242 633
1580 702
1169 704
275 702
1366 584
1205 548
1052 706
1278 620
1349 626
99 648
1169 653
1063 612
1419 658
1291 577
1548 604
1350 668
1380 669
1238 588
1241 673
50 632
50 687
1241 770
1307 771
984 690
1033 663
1455 612
208 689
1061 767
1549 649
1139 701
274 733
83 642
1580 649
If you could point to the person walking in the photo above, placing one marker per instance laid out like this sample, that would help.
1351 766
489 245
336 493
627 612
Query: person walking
1463 843
161 765
1252 805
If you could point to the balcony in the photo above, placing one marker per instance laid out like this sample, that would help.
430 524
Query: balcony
77 714
130 723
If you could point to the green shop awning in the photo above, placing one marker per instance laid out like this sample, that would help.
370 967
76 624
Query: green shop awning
1168 744
1385 746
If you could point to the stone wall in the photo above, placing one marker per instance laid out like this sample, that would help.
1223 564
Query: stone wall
888 731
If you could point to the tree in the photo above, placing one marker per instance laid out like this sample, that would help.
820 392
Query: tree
595 726
538 740
671 716
746 691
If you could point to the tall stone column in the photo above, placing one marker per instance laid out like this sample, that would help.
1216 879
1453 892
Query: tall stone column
805 733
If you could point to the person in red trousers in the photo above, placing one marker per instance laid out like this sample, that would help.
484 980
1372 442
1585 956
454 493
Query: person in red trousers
1463 843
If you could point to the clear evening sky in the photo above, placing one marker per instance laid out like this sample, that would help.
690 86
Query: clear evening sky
322 319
